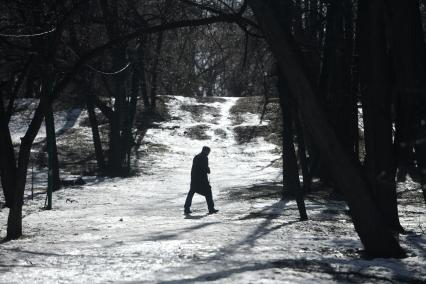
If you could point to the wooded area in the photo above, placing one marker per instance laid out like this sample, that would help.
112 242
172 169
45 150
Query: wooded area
350 76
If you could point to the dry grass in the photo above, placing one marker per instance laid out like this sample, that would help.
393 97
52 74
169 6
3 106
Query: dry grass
256 105
198 132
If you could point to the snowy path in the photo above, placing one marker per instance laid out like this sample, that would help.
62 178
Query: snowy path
134 231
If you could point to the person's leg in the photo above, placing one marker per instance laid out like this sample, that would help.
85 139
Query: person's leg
209 199
188 200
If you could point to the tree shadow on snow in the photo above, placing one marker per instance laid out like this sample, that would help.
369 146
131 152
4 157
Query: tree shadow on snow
175 234
302 266
269 214
256 191
30 252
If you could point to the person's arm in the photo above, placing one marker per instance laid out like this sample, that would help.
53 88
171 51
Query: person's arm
205 165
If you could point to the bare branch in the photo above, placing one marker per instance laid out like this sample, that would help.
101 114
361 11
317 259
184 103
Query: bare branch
108 73
28 35
231 18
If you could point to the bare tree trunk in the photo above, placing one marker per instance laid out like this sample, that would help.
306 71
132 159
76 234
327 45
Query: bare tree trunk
377 239
8 161
291 179
53 165
90 104
409 59
139 69
301 149
335 80
14 223
127 136
117 153
97 143
154 71
375 79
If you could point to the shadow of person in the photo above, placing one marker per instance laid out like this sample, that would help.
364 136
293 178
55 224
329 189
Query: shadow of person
195 217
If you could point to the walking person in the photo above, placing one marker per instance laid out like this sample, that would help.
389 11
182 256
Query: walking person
200 182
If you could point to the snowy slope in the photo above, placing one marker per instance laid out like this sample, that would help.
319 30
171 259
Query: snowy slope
64 120
133 230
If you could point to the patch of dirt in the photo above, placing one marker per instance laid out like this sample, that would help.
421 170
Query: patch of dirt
75 146
264 190
256 105
197 111
259 215
220 132
198 132
244 134
85 122
247 104
78 157
155 148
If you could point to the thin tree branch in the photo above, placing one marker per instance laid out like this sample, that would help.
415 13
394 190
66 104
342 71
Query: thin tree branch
28 35
231 18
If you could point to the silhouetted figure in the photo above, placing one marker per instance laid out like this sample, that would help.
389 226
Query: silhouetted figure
200 182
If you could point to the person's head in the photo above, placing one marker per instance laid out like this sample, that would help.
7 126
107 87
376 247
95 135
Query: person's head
205 150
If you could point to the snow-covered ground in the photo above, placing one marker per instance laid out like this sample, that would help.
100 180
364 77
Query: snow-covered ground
64 120
133 230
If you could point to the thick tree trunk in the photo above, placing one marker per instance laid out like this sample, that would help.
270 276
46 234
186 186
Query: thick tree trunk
14 177
291 179
327 79
15 214
409 59
329 74
97 143
155 71
375 86
52 151
127 136
377 239
335 80
139 69
14 222
117 152
301 149
8 160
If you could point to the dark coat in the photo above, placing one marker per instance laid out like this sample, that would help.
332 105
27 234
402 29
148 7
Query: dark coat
200 169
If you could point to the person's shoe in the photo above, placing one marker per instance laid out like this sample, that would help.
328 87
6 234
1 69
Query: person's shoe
187 211
213 211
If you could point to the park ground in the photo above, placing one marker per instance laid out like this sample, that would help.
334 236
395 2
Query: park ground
133 230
